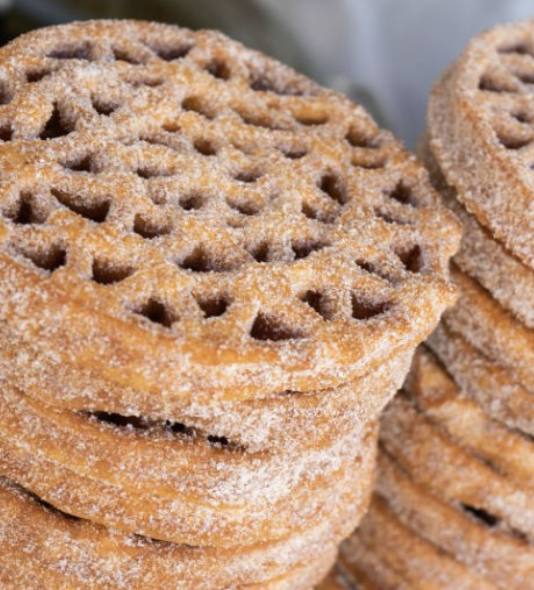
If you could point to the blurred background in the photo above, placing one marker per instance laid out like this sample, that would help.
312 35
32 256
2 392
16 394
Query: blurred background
383 53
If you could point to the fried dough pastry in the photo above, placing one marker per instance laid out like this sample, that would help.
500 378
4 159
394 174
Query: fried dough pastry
479 116
492 330
213 276
74 553
481 255
147 174
450 510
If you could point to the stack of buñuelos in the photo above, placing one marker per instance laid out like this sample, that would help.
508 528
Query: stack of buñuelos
454 505
213 276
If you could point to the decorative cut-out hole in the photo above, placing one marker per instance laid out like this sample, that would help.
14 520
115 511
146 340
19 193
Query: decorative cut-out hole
366 310
248 176
213 307
199 260
403 194
482 515
6 132
150 81
196 105
260 252
57 125
519 48
96 211
259 121
37 75
294 153
303 249
149 229
82 51
513 143
526 77
360 139
521 116
172 52
260 82
312 119
334 187
179 428
411 258
369 164
81 164
318 302
5 93
205 147
268 328
310 212
244 207
107 273
121 54
192 201
49 259
26 212
104 107
490 84
364 265
157 312
152 172
218 69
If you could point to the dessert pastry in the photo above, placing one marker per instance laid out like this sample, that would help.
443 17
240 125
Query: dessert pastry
213 276
455 468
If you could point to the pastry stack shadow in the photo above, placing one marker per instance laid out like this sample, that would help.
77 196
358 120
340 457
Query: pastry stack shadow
454 503
214 274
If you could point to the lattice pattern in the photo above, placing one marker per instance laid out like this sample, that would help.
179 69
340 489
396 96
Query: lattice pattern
481 121
204 195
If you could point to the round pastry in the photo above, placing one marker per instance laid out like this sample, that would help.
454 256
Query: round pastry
479 122
147 173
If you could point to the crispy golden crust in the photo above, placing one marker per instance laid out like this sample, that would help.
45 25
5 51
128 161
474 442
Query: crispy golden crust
449 508
390 555
492 330
483 381
130 252
479 117
481 256
168 479
41 545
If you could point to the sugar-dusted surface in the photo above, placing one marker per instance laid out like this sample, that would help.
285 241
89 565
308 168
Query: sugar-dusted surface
492 330
183 215
448 507
78 553
481 256
480 126
484 381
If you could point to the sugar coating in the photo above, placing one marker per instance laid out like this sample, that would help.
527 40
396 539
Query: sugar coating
165 210
213 276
